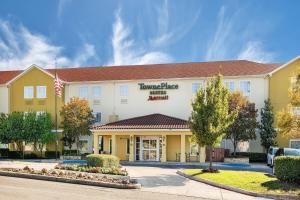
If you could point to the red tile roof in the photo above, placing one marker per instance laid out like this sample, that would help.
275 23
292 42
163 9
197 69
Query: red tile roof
6 76
153 121
157 71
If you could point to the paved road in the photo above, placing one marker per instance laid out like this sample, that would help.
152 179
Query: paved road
165 180
26 189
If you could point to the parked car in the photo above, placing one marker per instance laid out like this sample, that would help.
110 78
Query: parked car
275 151
271 154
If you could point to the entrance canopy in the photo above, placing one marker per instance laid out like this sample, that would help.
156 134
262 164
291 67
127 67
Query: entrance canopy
154 137
153 121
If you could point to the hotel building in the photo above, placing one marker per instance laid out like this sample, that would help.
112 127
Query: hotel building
141 111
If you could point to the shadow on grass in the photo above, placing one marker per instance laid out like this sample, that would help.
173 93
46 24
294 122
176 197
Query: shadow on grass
279 185
204 172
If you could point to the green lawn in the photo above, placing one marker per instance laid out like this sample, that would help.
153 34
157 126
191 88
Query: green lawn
251 181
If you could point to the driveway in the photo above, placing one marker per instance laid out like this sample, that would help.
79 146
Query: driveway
165 180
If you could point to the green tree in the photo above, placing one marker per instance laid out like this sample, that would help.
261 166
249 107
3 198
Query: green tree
76 121
15 129
244 126
31 133
4 137
268 133
44 126
288 121
210 116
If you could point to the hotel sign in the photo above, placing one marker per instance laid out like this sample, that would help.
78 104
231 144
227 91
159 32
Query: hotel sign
158 91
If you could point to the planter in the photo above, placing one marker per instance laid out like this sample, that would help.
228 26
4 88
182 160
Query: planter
112 181
237 160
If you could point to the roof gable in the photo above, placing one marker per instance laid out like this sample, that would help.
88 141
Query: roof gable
20 74
284 65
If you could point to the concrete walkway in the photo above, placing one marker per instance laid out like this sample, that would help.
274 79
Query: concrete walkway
165 180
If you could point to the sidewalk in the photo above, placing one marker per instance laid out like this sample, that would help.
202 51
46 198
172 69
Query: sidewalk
178 165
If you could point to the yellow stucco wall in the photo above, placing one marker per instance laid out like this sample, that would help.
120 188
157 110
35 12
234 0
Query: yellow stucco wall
173 147
279 84
35 77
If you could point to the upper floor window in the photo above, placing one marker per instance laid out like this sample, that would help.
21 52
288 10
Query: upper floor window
28 92
196 87
245 88
41 92
96 92
229 85
124 91
83 92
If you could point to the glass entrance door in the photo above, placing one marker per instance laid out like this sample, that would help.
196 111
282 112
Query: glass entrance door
150 149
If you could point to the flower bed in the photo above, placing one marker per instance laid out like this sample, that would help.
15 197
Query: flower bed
71 176
89 169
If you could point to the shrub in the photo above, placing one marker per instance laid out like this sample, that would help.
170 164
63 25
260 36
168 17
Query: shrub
4 153
102 160
51 154
15 154
287 168
253 157
30 155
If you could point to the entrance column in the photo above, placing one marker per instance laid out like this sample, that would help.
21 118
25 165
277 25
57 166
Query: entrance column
182 147
96 143
131 148
114 145
164 148
202 154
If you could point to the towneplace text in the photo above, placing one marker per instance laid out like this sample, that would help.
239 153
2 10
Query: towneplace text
158 91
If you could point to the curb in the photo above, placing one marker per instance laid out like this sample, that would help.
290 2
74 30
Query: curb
68 180
241 191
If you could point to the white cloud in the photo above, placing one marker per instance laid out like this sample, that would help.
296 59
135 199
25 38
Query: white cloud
167 35
217 48
232 40
19 48
127 52
254 51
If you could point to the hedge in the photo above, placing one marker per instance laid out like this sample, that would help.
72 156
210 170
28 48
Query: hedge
4 153
253 157
102 160
287 168
51 154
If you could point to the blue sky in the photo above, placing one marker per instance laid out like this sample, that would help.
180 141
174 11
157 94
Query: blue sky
98 32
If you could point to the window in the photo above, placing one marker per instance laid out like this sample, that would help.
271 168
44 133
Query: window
28 92
39 113
97 117
124 90
41 92
96 92
245 88
296 111
295 144
83 92
196 87
229 85
194 149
